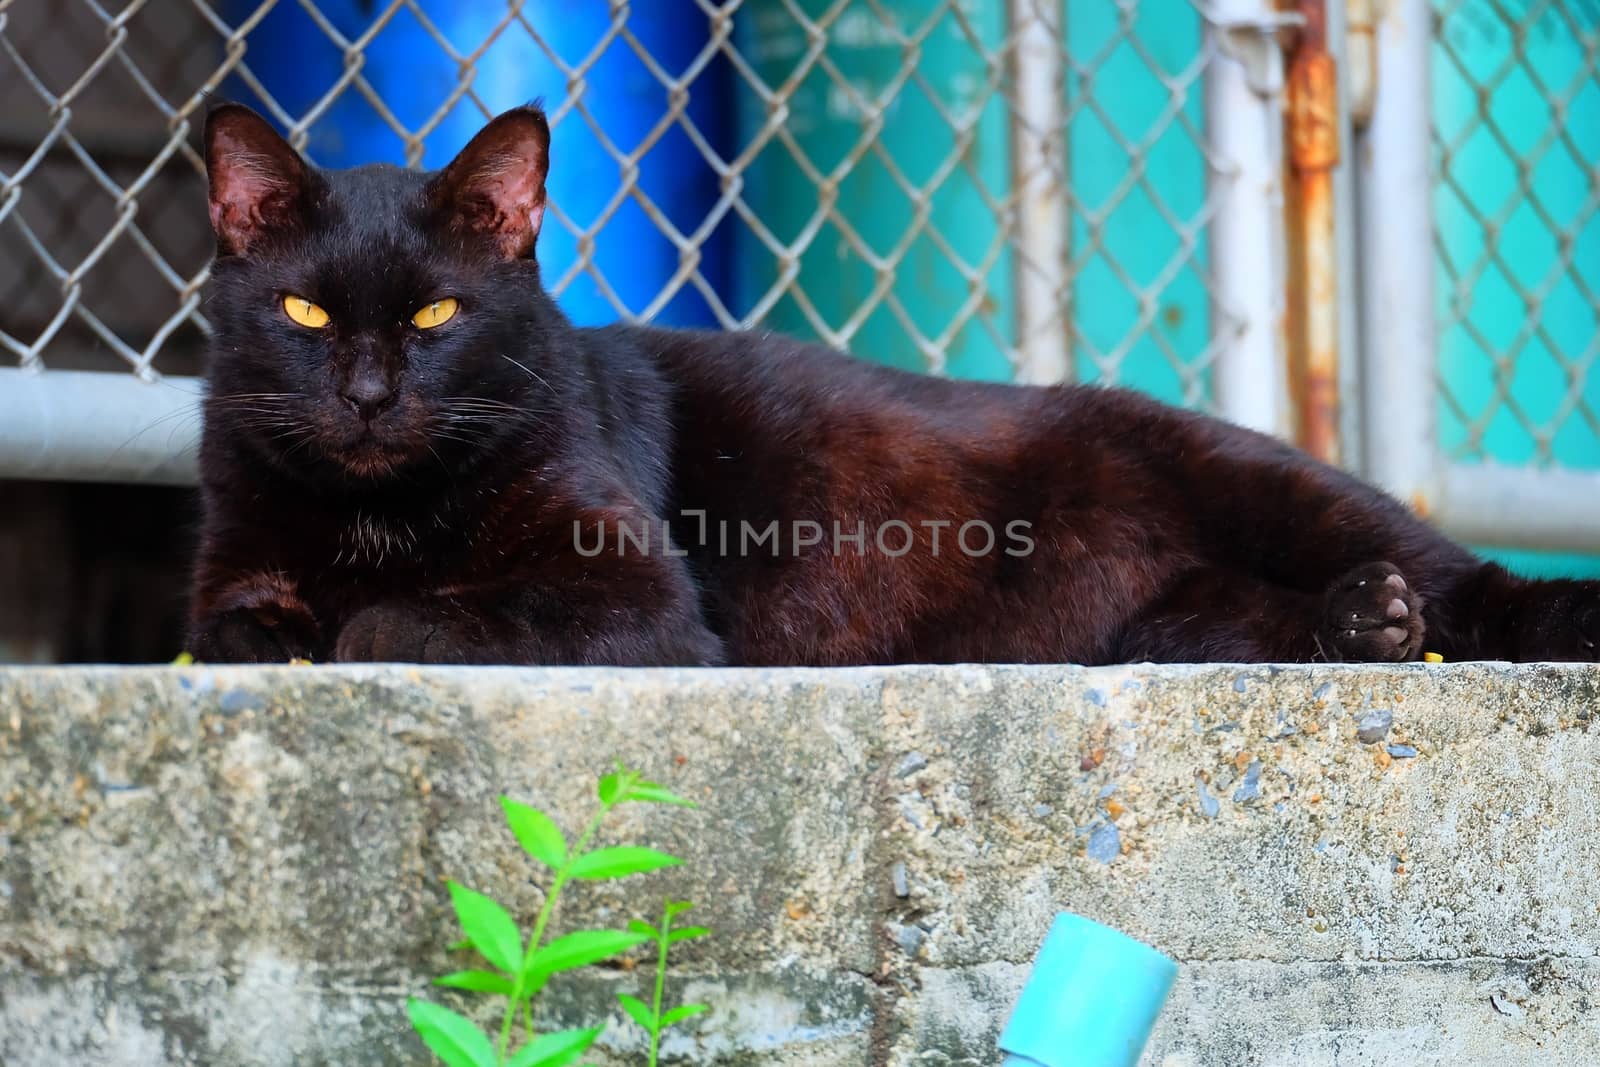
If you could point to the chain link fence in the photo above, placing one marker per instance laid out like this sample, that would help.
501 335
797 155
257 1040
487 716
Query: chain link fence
957 186
1516 97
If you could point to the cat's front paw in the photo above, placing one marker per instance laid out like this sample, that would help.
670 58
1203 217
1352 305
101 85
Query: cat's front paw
398 632
1372 615
262 634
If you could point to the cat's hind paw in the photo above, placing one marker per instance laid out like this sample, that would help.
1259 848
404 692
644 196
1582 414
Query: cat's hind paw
1372 616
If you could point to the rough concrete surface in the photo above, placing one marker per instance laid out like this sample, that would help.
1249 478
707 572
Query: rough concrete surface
246 866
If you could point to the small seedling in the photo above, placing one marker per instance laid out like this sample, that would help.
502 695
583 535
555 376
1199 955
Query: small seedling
650 1016
519 972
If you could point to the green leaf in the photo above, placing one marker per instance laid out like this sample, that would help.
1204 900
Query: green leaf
477 982
536 832
555 1050
688 933
460 946
613 786
654 793
678 1014
619 862
639 1012
581 949
452 1037
639 926
676 908
490 928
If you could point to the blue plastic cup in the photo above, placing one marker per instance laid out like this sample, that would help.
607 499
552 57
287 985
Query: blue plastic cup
1092 1001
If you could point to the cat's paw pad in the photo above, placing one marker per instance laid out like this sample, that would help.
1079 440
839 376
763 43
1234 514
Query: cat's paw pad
254 635
1372 616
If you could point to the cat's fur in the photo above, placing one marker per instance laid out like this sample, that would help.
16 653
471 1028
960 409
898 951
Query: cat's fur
376 491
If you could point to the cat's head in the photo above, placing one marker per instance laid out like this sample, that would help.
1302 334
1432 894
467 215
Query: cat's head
371 320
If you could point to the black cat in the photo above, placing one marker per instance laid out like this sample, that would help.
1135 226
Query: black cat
410 454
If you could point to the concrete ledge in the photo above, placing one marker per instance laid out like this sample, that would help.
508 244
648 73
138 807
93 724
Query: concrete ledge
244 866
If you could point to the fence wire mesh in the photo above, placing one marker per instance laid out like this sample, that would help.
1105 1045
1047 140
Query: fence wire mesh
947 185
1517 218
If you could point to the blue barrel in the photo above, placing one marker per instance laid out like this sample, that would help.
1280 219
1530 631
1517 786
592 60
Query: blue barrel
298 65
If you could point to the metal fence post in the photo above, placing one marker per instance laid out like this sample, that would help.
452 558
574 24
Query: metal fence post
1039 165
1397 262
1350 41
1244 89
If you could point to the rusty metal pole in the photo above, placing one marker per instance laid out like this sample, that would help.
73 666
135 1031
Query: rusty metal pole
1314 272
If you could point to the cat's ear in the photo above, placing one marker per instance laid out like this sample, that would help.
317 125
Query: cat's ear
495 187
259 185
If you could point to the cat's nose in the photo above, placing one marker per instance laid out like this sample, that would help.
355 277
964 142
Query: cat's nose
368 395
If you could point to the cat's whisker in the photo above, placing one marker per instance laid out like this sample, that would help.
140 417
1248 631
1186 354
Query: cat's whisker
310 438
477 400
479 413
238 398
269 422
525 369
476 423
179 419
457 440
442 465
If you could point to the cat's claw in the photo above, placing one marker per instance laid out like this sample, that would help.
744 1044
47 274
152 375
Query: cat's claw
1372 616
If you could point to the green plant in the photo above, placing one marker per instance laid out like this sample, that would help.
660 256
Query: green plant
650 1016
519 972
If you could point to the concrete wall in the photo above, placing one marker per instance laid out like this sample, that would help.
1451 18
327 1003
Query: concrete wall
241 866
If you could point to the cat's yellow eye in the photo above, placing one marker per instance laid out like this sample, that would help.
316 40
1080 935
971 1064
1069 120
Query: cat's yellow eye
304 312
436 314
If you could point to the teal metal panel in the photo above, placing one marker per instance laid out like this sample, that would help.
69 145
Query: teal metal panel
827 124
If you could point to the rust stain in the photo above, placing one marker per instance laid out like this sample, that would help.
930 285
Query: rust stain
1314 111
1314 149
